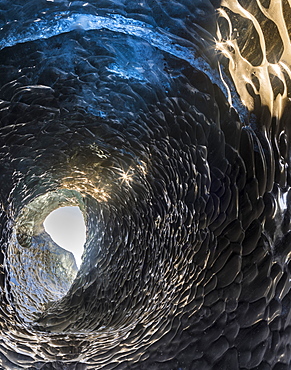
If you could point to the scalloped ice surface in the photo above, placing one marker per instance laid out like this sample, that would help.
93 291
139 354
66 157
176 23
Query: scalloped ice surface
170 131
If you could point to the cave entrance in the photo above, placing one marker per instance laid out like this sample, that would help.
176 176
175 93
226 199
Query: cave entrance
45 250
66 226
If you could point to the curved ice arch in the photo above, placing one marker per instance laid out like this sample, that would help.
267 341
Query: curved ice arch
66 22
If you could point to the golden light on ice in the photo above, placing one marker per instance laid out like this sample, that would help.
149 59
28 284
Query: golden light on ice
66 226
241 69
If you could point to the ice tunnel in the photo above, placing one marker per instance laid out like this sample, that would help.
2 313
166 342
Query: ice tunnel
166 126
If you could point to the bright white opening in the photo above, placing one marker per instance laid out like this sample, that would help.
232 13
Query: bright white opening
67 228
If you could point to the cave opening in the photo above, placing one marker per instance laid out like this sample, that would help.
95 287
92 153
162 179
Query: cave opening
66 226
45 250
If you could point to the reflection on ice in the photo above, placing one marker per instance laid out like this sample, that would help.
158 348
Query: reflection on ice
64 22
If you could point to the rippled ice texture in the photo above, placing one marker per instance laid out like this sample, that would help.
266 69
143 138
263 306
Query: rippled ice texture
167 124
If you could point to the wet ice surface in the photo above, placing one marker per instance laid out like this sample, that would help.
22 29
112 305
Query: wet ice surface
121 109
60 23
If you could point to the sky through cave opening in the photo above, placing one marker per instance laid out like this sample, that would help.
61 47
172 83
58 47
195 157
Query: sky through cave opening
66 226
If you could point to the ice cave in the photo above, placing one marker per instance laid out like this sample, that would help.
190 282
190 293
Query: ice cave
163 127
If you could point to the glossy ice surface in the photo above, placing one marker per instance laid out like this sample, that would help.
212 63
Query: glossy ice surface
168 124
